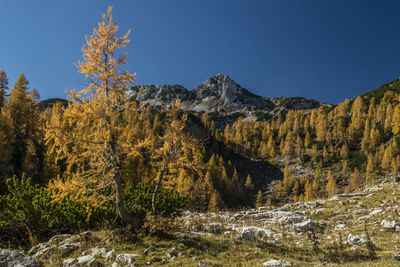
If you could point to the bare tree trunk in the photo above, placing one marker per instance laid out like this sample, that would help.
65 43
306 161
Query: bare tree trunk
134 220
158 185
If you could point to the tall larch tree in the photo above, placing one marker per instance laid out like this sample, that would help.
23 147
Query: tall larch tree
89 133
331 186
396 120
177 150
355 179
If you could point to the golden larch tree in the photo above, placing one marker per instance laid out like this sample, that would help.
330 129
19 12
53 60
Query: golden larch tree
90 133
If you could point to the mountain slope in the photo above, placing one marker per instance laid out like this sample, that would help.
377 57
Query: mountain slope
220 94
379 93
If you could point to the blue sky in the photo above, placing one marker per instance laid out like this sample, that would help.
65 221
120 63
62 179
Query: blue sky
327 50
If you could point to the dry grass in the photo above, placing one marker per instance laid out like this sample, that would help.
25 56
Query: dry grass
302 250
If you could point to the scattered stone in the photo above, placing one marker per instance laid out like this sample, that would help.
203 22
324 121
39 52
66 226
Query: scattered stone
182 254
369 216
318 211
58 239
173 251
388 224
67 248
340 226
397 257
215 228
88 260
147 250
355 240
309 226
41 251
127 258
109 254
96 251
253 233
70 262
354 195
17 258
276 263
247 235
203 264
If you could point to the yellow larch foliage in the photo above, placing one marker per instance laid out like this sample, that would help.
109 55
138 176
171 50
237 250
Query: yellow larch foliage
396 120
331 186
90 134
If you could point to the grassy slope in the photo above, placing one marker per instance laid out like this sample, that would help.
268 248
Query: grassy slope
226 250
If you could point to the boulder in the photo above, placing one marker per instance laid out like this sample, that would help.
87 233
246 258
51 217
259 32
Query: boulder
41 251
276 263
88 260
355 240
97 251
309 226
70 262
127 258
58 239
17 258
385 224
397 257
215 228
247 235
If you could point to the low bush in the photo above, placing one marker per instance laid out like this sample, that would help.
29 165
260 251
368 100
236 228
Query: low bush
30 210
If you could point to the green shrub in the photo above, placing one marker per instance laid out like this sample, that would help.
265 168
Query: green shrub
31 208
169 202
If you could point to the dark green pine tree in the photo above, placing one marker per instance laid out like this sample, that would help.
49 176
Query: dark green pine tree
22 117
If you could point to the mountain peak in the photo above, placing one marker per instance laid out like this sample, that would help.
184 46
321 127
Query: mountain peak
221 94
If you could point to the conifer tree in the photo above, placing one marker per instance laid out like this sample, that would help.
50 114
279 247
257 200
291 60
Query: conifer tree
308 195
355 179
331 186
234 185
388 118
344 151
248 185
21 115
396 120
89 134
3 88
307 140
216 202
325 153
314 152
315 187
259 200
321 125
268 203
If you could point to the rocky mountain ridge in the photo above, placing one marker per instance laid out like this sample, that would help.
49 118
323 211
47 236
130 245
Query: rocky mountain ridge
222 96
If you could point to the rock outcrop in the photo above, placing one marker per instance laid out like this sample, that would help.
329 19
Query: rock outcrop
11 258
221 96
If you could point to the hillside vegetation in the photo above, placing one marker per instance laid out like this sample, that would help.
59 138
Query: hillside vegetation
217 175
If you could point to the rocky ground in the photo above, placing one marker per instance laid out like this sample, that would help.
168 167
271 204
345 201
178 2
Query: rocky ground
348 229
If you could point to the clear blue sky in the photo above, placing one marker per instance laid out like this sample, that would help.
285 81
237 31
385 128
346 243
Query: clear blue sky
328 50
